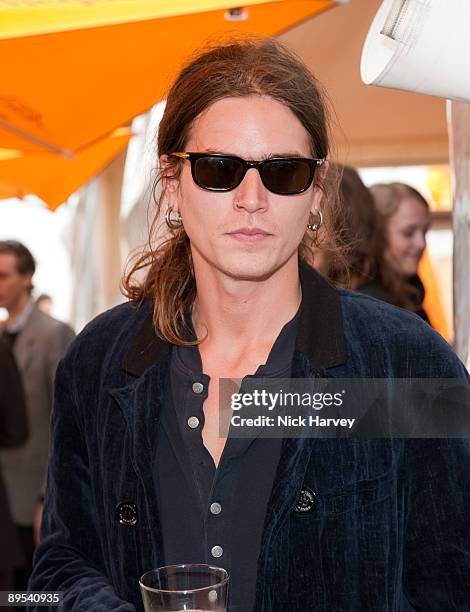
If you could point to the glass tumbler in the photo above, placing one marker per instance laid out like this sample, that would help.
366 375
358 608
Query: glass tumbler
189 587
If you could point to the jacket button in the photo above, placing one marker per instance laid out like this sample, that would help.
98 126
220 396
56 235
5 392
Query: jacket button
306 501
215 508
127 513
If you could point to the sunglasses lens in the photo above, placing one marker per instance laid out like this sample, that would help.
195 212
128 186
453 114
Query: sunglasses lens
218 173
288 176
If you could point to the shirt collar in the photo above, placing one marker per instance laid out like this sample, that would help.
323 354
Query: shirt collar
320 336
18 325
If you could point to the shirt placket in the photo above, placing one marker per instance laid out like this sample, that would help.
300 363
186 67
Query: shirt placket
193 422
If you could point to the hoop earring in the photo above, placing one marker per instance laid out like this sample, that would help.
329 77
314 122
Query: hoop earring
314 227
173 223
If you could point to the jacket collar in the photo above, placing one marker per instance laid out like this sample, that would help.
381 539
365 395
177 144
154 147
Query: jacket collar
320 337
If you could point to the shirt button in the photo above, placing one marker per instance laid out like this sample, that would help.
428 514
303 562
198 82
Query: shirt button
217 551
198 387
193 422
216 508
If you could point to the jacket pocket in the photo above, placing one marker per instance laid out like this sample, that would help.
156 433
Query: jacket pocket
354 496
345 552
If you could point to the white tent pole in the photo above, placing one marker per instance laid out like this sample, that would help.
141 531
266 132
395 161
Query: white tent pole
95 245
108 233
459 130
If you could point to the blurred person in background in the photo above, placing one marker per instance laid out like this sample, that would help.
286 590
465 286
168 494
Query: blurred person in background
38 342
382 231
402 222
355 229
44 303
13 433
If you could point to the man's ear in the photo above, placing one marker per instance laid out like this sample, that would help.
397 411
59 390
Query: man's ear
322 172
169 180
27 281
318 190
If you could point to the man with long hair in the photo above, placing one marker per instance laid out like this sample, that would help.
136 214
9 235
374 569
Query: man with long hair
141 477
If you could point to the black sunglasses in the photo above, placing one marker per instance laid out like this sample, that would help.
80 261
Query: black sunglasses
281 175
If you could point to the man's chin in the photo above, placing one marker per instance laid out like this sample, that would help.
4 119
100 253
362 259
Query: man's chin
251 271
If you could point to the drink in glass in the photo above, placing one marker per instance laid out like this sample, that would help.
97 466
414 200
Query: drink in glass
188 587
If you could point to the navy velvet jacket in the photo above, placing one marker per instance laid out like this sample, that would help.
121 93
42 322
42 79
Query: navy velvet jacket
389 530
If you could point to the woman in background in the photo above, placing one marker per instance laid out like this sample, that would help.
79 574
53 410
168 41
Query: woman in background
382 232
355 230
403 218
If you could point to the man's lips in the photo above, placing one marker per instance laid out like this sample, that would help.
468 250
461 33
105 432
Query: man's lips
249 234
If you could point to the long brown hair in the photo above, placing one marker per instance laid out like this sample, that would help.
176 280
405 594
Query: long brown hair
253 66
387 199
355 231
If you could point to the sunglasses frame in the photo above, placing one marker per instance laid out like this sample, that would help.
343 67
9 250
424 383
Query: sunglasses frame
313 163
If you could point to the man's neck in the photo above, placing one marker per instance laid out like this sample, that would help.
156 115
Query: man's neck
15 311
245 314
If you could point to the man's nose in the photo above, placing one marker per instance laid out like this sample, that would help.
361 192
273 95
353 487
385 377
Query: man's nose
251 195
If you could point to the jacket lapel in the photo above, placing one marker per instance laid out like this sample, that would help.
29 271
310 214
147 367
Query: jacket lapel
23 349
296 453
273 566
140 403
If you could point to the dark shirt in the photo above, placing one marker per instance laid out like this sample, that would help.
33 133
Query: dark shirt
13 433
208 514
10 338
13 420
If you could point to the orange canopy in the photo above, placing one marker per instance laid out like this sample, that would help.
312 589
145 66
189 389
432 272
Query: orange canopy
52 177
69 77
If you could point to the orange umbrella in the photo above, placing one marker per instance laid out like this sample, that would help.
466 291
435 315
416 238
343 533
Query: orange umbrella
74 71
52 177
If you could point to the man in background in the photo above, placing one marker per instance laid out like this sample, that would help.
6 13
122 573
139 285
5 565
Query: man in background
38 342
44 303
